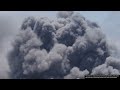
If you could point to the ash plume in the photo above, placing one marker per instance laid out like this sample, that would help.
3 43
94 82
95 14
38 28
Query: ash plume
69 47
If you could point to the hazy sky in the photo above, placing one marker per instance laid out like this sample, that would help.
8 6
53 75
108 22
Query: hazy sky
10 22
98 16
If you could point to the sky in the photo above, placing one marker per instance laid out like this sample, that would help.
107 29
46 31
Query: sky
10 22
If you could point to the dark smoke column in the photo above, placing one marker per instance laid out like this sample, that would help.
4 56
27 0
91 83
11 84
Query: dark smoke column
69 47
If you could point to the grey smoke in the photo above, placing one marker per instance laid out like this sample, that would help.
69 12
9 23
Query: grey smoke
69 47
9 27
64 14
75 73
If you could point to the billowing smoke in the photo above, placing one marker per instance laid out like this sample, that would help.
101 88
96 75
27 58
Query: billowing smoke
64 14
69 47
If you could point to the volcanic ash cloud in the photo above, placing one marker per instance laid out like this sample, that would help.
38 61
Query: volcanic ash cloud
69 47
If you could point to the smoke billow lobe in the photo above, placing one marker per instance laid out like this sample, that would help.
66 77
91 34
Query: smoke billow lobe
70 47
